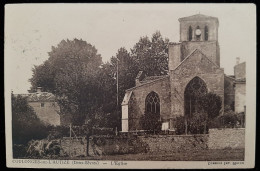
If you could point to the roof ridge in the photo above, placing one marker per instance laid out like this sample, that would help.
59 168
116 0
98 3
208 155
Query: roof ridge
198 15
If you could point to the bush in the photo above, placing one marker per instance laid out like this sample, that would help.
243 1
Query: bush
197 124
19 150
151 123
25 123
180 125
228 120
59 132
103 131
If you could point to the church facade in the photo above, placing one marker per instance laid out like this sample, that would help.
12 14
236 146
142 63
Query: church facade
194 69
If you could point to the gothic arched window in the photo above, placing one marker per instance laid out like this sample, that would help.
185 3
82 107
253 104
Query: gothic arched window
206 33
152 103
193 91
190 34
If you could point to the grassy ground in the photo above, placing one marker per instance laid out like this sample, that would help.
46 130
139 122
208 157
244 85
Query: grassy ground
202 155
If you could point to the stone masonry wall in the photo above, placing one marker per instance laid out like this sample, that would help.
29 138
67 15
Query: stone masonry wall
131 145
229 94
196 65
73 147
137 101
175 143
76 147
209 48
216 139
212 29
240 70
226 138
47 112
240 97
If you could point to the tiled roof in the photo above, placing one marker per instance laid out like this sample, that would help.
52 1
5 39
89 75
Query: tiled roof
151 78
39 97
230 76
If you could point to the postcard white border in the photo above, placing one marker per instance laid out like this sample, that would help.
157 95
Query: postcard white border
249 161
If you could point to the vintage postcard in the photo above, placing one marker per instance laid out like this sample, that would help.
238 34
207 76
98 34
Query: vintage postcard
140 86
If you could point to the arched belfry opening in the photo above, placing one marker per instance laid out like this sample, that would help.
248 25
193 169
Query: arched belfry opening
206 33
193 91
152 103
190 34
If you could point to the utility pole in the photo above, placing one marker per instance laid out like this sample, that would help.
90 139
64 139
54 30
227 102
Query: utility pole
117 83
117 89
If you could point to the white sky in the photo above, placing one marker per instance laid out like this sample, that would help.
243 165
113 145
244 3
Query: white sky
31 30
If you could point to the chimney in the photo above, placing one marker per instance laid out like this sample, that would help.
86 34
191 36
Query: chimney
237 60
139 77
39 89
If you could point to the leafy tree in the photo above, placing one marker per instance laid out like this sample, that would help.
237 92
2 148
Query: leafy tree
127 70
180 125
70 74
43 77
197 124
229 119
208 110
151 55
106 80
210 105
150 122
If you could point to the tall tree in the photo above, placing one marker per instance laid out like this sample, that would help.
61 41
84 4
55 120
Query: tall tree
210 104
123 65
127 70
72 69
70 74
151 55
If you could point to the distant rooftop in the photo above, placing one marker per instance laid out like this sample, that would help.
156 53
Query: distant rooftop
38 97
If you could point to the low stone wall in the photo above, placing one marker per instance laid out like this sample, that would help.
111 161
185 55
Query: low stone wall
73 146
101 146
226 138
175 143
133 144
216 139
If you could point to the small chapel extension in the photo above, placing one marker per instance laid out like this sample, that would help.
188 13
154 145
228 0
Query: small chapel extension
194 69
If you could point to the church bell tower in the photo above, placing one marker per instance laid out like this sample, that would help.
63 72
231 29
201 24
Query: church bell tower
196 32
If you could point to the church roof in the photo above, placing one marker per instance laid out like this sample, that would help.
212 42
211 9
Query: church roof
230 76
197 17
151 79
39 97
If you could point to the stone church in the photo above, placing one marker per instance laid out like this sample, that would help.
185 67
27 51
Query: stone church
194 69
